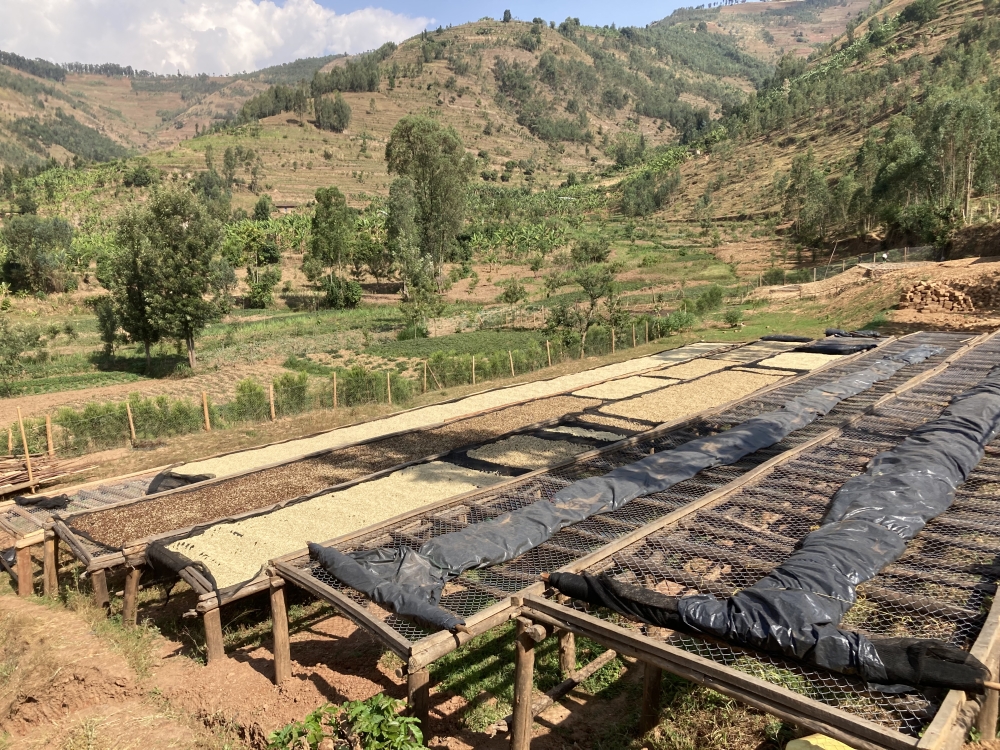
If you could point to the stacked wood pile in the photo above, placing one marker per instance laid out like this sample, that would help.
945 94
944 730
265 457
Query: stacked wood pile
952 296
44 469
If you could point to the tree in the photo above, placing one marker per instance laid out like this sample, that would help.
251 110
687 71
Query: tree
403 237
434 158
185 239
333 114
263 208
372 251
36 254
15 342
332 230
127 272
807 198
507 17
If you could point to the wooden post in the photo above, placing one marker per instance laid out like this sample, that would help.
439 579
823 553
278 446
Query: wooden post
548 352
633 335
215 649
612 340
10 442
388 386
99 582
130 607
904 253
425 376
473 369
567 653
814 273
647 331
50 564
843 265
524 672
279 628
25 572
131 422
48 435
334 389
270 399
986 722
204 406
649 715
511 356
418 689
24 442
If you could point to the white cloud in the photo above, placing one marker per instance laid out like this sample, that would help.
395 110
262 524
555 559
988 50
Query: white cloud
193 36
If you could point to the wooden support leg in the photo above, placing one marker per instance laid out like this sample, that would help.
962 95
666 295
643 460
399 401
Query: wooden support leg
214 645
279 627
130 607
650 714
524 678
418 687
99 580
25 572
986 722
50 580
567 653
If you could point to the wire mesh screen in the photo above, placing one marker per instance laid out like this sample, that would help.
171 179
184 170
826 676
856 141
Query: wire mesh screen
475 590
941 588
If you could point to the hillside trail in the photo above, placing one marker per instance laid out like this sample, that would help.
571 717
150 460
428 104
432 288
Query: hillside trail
73 687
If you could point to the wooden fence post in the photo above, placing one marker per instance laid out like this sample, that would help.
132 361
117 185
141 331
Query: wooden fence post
10 442
647 331
388 386
131 421
511 356
48 434
425 376
334 389
548 352
473 369
270 399
633 335
204 406
814 273
612 340
24 442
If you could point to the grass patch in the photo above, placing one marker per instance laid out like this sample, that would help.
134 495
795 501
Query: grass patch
136 644
476 342
59 383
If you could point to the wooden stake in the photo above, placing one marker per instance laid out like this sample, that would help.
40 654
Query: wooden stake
270 399
425 376
418 688
50 564
633 335
335 389
25 572
10 442
649 716
24 442
279 628
48 434
131 422
647 331
524 672
215 648
567 653
548 352
612 340
511 356
388 386
130 607
99 582
204 406
473 369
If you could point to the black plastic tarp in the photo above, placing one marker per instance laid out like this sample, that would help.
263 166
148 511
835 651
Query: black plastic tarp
837 345
410 582
787 337
797 608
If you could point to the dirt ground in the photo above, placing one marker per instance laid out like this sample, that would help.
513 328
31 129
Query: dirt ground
72 688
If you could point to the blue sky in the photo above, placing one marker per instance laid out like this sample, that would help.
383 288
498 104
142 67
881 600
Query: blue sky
230 36
590 12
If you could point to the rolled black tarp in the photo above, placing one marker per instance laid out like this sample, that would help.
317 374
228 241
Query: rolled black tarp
797 608
410 582
837 345
787 337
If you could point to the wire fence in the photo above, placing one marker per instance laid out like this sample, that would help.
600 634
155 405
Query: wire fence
145 422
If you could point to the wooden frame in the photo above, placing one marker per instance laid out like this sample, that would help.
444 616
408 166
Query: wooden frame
421 653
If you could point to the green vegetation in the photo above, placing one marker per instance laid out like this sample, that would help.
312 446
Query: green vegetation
37 67
374 724
66 131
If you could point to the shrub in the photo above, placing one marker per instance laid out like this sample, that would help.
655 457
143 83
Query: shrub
708 300
251 403
587 251
341 293
773 276
733 317
291 393
513 292
374 724
413 331
362 386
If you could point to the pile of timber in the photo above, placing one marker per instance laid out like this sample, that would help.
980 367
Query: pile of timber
44 469
958 295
